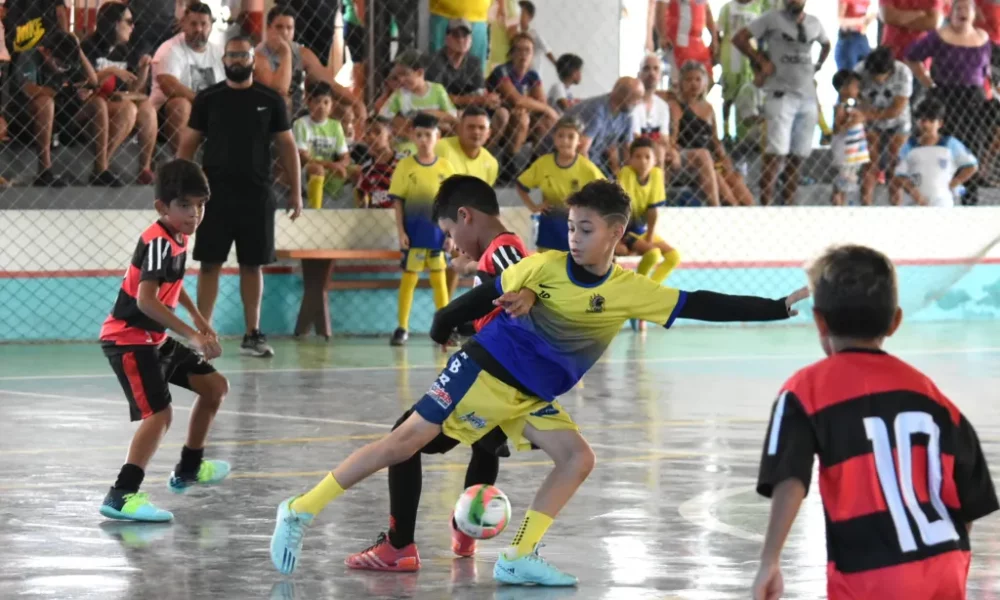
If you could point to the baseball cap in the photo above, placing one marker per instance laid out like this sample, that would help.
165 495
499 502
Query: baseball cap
455 24
411 59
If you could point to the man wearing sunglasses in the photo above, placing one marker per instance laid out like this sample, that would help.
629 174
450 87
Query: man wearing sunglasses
786 73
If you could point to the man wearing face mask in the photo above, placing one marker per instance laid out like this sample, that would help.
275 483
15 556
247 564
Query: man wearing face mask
239 119
183 66
785 72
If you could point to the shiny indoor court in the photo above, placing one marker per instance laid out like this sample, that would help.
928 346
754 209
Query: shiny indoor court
677 420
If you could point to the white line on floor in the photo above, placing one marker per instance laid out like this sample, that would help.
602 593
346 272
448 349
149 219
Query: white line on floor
667 452
698 512
664 360
221 412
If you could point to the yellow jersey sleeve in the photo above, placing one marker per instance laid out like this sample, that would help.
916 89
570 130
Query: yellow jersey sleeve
532 177
590 170
650 301
446 169
492 167
524 274
399 186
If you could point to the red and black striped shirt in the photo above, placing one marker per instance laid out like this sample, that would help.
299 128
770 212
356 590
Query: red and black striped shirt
506 250
901 474
160 256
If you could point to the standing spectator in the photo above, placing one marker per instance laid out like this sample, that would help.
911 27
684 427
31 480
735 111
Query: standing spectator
651 116
961 55
852 42
790 108
399 16
541 47
520 88
461 74
315 20
322 143
416 94
906 21
886 87
27 21
239 120
475 13
376 164
850 145
569 68
736 70
356 41
286 65
933 167
466 151
54 88
107 49
504 19
680 24
607 123
183 66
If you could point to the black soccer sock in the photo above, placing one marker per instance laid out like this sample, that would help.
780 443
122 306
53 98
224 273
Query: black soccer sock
405 481
190 462
129 478
484 466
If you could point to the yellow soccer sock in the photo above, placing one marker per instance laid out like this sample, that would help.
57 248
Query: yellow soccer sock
316 499
407 285
648 261
439 283
314 191
532 529
670 261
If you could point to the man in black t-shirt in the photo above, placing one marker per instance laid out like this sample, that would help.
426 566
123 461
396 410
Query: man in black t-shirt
238 119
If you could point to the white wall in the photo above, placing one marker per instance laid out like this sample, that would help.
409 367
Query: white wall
588 28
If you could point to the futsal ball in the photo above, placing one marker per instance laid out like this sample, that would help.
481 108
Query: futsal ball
482 512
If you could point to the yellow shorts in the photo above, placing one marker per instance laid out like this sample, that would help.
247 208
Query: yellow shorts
631 238
417 260
468 403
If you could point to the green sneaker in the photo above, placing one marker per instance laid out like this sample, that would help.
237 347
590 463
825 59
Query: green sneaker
211 472
132 506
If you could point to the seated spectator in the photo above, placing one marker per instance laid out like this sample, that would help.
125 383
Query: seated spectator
541 48
322 145
569 68
886 87
558 175
29 20
462 75
696 135
129 109
520 89
961 55
183 66
607 123
55 85
933 167
416 94
475 13
651 116
4 71
466 151
286 65
376 162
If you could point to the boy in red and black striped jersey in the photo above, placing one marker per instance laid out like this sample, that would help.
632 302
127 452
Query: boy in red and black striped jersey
467 210
146 360
902 474
376 162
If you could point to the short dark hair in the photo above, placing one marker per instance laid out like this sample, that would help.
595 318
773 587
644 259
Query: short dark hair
411 59
930 109
464 191
280 10
520 37
568 122
425 121
880 61
319 88
607 198
844 77
567 64
180 178
239 39
475 111
527 8
63 45
642 142
379 121
854 290
198 8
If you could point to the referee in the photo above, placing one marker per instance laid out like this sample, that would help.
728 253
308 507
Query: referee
238 119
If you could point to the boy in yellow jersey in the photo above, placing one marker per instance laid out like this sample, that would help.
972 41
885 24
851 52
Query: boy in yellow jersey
415 182
570 306
559 175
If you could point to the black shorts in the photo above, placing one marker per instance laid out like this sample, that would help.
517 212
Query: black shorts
355 38
237 212
144 373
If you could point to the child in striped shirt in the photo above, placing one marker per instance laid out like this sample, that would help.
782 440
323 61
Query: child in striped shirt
850 144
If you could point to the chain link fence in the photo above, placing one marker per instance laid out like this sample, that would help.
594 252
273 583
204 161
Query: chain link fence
81 139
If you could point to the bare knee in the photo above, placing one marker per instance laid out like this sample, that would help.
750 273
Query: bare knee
163 419
581 462
178 110
500 119
314 170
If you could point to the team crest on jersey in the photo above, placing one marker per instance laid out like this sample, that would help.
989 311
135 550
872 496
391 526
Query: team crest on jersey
596 304
575 184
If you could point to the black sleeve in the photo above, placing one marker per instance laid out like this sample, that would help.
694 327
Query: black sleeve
472 305
279 115
155 260
976 494
712 306
789 446
199 114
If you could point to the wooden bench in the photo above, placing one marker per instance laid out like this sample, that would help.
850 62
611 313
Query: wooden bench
317 273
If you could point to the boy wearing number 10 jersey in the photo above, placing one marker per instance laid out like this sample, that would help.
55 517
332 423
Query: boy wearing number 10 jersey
902 474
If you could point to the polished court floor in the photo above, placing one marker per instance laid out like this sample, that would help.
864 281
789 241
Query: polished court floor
677 419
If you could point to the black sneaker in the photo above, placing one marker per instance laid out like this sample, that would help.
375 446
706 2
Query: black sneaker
399 337
47 179
255 344
106 179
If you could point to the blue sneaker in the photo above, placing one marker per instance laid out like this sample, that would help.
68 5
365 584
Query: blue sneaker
211 472
286 541
530 570
132 506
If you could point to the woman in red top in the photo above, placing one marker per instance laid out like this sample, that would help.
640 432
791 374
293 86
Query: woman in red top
852 44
